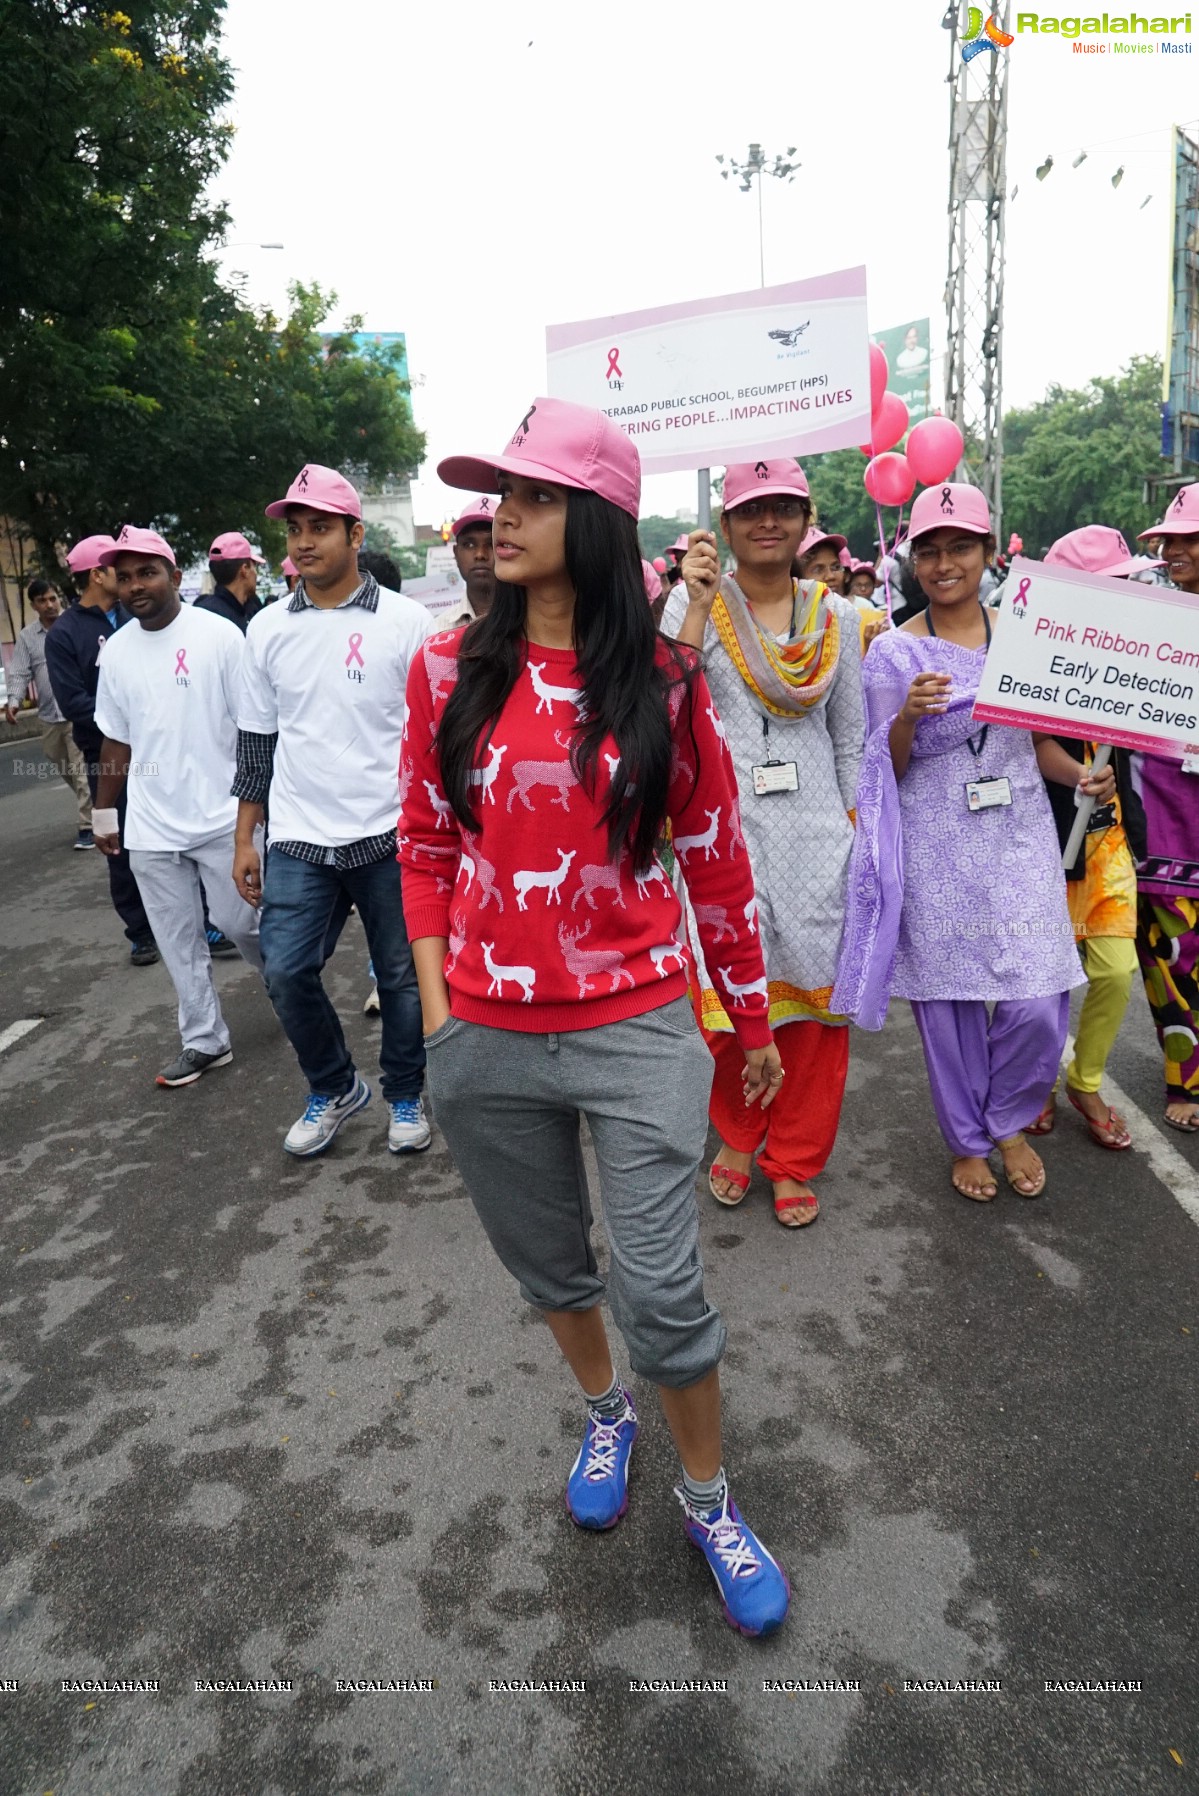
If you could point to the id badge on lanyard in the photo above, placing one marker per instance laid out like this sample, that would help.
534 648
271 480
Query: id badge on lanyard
986 793
773 775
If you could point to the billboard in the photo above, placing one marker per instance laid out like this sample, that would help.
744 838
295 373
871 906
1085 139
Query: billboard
907 348
1180 372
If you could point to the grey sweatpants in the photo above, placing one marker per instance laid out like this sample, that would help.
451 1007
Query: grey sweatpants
509 1104
170 889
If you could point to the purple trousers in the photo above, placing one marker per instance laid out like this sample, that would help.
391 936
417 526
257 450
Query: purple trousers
991 1075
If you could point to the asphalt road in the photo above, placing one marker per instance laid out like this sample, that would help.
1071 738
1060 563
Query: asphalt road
262 1419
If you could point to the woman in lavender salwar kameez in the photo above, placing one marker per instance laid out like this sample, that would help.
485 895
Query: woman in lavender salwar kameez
956 898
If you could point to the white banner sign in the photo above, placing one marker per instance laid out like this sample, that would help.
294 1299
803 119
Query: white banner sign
1088 656
783 371
438 592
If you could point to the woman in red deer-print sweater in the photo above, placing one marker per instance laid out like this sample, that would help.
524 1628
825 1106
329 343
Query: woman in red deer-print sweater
546 747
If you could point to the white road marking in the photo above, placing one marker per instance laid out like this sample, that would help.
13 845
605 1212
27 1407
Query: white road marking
15 1031
1176 1173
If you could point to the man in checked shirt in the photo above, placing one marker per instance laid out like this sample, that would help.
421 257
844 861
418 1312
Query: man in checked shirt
319 728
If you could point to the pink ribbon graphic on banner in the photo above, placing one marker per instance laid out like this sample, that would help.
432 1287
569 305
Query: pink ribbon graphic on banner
355 650
1020 602
181 661
614 364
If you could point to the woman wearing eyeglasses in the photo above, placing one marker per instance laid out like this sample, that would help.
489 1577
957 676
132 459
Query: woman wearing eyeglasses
784 667
956 896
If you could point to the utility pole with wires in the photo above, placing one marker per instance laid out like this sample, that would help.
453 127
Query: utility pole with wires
978 76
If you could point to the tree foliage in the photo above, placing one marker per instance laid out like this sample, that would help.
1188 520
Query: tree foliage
1080 456
135 386
842 503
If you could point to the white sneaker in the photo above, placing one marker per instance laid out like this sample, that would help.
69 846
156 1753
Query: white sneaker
408 1132
312 1132
372 1007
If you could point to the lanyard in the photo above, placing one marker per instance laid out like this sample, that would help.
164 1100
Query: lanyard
975 744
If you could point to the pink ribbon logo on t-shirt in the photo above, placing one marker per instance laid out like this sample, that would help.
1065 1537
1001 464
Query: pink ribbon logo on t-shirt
181 666
355 654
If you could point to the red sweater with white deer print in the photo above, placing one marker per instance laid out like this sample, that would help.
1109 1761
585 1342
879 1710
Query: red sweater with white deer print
545 933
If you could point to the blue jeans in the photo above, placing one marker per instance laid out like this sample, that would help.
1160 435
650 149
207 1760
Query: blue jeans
304 907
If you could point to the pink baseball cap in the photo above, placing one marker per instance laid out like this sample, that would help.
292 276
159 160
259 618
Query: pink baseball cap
290 570
1097 549
86 554
572 445
479 511
1182 515
680 545
864 567
763 480
653 581
321 489
816 536
133 541
232 546
955 503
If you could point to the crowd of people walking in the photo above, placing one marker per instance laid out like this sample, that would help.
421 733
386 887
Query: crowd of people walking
644 874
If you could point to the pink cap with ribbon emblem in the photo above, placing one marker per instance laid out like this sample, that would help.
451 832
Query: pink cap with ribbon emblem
571 445
321 489
1097 549
816 536
233 546
133 541
1182 515
86 554
479 511
955 503
763 480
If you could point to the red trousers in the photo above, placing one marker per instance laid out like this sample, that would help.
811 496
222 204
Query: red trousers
801 1125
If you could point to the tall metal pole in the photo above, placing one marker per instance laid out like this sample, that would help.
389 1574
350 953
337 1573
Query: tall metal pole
974 283
761 244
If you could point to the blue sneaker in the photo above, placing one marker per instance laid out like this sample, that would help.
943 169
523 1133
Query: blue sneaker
753 1584
597 1491
408 1131
218 944
311 1133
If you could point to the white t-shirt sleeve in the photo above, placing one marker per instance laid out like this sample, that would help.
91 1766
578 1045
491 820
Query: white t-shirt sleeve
256 706
233 657
112 712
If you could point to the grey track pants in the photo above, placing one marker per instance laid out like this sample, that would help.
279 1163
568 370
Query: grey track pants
509 1104
170 887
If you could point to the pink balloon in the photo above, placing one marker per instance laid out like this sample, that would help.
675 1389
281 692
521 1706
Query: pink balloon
879 373
889 480
934 450
888 423
659 564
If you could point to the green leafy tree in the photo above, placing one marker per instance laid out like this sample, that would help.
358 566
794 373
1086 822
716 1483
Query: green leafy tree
1080 456
134 385
657 534
842 503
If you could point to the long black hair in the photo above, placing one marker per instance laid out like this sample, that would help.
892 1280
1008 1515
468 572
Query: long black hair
626 680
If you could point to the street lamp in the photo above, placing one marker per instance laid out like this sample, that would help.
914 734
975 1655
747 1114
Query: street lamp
751 170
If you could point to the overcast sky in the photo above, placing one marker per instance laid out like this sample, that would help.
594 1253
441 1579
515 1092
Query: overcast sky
468 173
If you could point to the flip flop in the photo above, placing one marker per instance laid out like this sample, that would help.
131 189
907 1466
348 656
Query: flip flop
1013 1178
1045 1121
1184 1128
1103 1133
975 1197
787 1210
739 1179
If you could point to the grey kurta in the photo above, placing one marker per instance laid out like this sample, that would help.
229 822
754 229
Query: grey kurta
799 842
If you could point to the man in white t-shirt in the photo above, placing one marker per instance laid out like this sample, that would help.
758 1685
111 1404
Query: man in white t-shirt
319 728
166 705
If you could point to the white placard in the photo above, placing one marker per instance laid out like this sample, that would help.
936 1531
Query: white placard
1088 656
781 371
